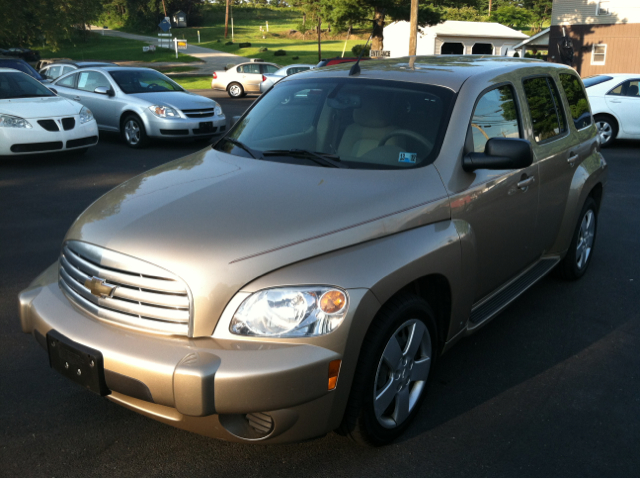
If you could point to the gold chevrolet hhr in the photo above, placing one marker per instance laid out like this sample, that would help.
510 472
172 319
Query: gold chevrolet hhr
305 273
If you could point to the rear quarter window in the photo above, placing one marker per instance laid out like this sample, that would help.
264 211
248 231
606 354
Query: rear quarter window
577 99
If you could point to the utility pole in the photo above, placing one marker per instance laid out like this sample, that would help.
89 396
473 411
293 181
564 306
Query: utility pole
226 20
490 2
164 8
413 29
319 48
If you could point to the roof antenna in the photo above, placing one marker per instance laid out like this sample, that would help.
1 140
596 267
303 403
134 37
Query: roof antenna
355 69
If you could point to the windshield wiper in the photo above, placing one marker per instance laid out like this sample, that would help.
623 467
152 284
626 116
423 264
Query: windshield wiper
255 154
322 159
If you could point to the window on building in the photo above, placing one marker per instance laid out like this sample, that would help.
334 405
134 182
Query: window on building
496 115
578 103
599 54
603 8
482 49
547 114
452 48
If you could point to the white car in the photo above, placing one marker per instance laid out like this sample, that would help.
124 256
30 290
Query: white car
35 120
270 79
238 80
615 104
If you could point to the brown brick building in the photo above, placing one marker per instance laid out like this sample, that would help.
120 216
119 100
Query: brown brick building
605 35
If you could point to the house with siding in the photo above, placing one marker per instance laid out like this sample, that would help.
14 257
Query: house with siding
596 36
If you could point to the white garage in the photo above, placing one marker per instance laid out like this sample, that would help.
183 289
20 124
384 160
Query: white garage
453 38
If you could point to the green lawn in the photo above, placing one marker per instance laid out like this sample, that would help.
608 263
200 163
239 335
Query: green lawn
193 82
98 47
247 23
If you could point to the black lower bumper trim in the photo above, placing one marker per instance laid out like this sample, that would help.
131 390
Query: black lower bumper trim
174 132
90 140
34 147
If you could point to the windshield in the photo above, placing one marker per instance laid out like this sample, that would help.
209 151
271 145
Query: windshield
19 85
23 67
596 80
143 81
356 122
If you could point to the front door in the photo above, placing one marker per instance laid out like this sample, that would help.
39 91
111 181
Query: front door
624 102
500 207
98 103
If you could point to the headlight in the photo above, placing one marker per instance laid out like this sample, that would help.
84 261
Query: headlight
85 115
218 111
8 121
162 111
291 312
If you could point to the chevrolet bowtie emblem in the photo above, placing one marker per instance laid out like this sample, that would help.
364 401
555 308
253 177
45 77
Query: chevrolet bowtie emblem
99 288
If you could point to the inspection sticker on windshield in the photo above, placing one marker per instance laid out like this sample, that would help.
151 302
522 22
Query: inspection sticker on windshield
408 158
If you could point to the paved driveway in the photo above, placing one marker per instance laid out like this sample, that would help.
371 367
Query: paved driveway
550 388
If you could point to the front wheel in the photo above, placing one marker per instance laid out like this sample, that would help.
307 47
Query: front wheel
133 132
577 259
235 90
607 129
393 371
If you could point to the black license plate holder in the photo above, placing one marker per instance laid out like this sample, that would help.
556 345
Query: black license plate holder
206 125
75 361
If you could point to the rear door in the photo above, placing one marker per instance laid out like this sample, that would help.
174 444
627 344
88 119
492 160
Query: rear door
624 102
251 77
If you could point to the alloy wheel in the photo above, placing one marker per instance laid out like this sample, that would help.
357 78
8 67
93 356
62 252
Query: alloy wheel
585 239
402 373
235 90
132 132
605 130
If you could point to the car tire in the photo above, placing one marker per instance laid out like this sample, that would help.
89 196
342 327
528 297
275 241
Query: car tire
133 132
575 263
235 90
607 129
385 397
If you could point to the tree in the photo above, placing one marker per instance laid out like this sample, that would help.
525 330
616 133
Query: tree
512 16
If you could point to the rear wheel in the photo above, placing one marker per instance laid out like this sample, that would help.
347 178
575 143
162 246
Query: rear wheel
393 371
133 132
577 259
235 90
607 129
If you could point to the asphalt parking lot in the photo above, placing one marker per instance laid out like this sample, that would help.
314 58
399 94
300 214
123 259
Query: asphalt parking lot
550 388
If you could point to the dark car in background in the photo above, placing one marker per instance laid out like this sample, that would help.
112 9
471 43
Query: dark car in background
25 53
21 65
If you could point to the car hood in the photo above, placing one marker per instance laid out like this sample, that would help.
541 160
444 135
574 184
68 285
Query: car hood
43 107
220 221
177 99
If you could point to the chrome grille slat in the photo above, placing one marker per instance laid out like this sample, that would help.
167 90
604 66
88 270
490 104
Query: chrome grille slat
152 300
124 278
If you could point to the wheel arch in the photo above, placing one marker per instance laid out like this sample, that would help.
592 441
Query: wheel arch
128 112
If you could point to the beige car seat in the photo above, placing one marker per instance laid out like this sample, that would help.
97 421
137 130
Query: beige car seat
371 123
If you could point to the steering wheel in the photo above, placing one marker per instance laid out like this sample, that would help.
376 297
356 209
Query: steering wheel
152 85
408 133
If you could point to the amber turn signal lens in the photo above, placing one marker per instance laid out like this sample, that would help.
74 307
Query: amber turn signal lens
332 301
334 370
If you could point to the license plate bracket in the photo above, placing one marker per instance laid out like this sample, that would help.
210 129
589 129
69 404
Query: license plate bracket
206 125
75 361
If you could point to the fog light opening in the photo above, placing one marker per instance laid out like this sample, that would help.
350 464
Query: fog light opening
334 371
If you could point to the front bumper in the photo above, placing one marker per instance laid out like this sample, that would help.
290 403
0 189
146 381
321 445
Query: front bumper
185 127
214 387
22 141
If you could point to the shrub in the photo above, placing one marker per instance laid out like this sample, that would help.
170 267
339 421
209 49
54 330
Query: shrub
263 49
279 53
229 43
358 48
295 58
244 45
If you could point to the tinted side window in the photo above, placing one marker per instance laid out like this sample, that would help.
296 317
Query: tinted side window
69 82
293 70
578 103
496 115
547 119
252 68
89 81
269 69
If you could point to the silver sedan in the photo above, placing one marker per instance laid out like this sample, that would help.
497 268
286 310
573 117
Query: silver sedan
141 103
270 79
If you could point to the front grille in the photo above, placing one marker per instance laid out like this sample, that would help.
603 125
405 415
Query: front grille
35 147
89 140
146 297
199 113
49 125
68 123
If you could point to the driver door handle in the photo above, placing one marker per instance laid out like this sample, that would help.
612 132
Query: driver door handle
572 159
76 98
524 184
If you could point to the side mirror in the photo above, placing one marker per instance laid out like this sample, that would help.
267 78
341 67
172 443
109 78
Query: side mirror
103 90
500 154
53 90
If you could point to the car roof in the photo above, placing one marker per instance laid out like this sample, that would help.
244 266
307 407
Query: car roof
450 71
81 64
13 70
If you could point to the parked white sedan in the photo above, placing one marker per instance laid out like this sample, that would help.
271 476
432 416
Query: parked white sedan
615 103
35 120
270 79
